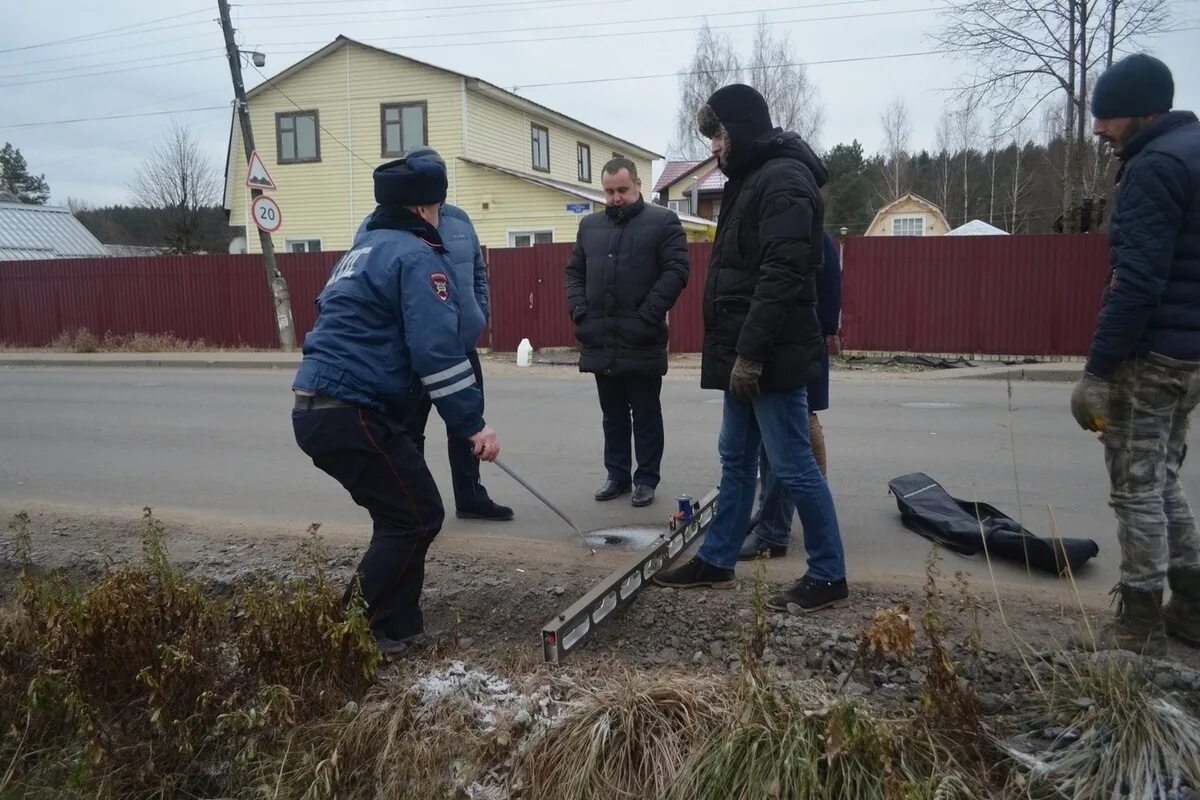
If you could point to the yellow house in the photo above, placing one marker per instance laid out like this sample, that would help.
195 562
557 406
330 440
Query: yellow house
525 173
910 215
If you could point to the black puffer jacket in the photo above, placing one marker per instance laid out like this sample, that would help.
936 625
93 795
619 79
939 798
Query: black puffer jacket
760 298
622 279
1152 304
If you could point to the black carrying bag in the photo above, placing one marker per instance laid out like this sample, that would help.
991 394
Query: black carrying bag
928 509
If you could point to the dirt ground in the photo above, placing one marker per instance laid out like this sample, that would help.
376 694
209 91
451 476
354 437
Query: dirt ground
490 596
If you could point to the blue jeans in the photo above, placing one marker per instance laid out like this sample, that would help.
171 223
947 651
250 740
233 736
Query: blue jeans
778 423
773 524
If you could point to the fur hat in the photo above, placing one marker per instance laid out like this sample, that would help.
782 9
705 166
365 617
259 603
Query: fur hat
419 182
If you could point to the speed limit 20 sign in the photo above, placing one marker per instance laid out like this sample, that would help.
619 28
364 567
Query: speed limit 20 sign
266 214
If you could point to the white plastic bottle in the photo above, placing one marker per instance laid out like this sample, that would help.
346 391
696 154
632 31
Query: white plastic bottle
524 353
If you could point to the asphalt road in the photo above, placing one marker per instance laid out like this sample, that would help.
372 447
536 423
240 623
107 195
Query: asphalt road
219 443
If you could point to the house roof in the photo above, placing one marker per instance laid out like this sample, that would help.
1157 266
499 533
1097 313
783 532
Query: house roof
576 191
711 180
714 181
476 84
673 171
909 197
977 227
29 232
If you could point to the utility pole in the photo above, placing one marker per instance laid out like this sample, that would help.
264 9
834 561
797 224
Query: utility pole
275 281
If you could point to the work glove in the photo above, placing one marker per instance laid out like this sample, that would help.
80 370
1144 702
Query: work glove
1089 403
743 381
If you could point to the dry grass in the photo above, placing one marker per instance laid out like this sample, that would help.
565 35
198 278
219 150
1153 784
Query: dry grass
627 740
141 684
83 340
1117 735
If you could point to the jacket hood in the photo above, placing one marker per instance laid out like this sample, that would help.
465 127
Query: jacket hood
784 144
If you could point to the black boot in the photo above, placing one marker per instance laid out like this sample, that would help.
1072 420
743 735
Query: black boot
696 573
810 595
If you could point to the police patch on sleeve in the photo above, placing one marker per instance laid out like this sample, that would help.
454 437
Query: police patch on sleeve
441 285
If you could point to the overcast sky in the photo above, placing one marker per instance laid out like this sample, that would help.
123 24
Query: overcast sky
138 56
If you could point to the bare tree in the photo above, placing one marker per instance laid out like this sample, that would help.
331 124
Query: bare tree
714 64
897 131
785 84
967 130
1029 51
773 69
945 152
180 181
1020 179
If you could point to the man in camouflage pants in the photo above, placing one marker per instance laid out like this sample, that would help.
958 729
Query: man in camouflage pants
1142 379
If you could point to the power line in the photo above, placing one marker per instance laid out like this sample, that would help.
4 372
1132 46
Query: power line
626 22
546 40
105 34
407 11
90 67
711 71
115 116
108 72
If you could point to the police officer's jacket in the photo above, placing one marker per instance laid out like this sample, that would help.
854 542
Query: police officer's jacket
390 325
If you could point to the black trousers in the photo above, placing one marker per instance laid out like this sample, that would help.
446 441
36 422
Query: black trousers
464 466
375 459
623 397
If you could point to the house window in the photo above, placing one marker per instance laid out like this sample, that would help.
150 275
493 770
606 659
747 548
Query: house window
908 226
716 211
680 206
296 137
530 238
584 157
540 141
302 245
403 126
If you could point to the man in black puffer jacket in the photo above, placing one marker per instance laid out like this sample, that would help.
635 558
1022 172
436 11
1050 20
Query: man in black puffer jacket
1142 379
763 343
629 266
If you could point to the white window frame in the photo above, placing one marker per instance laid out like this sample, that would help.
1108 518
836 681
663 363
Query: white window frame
531 233
306 240
920 218
683 206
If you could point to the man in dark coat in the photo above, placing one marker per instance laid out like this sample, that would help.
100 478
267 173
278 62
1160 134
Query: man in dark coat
763 344
1142 379
629 266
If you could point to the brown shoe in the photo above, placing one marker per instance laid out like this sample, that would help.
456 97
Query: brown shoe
1181 614
1138 626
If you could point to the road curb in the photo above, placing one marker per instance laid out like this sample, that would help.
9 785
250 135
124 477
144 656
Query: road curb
151 363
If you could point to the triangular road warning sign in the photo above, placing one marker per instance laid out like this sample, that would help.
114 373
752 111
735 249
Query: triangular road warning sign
257 176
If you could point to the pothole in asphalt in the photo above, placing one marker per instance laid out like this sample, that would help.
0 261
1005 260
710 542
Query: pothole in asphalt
632 537
933 405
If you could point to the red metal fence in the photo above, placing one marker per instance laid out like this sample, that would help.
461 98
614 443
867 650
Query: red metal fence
1012 295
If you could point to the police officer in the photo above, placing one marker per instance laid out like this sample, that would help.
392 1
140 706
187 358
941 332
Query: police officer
471 499
390 328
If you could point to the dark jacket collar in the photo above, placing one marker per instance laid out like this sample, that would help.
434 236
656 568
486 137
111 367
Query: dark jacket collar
398 218
1164 124
778 143
621 214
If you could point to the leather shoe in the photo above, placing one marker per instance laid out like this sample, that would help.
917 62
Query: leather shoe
642 496
612 489
488 510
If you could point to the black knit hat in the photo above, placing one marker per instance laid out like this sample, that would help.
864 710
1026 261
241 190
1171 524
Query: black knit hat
1136 86
741 109
419 182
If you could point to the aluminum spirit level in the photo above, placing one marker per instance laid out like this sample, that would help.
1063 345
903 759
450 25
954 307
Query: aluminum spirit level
568 629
